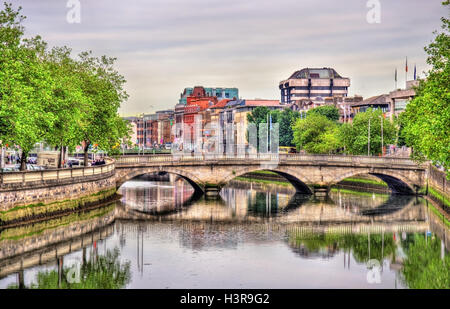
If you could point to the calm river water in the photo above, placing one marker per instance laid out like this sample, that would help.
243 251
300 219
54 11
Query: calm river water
160 235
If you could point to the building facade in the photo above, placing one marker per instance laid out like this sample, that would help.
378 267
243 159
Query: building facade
313 86
199 91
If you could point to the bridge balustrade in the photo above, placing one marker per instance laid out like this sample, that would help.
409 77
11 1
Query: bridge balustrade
46 176
355 160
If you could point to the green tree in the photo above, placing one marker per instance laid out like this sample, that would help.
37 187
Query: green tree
286 120
355 135
25 92
316 134
427 116
102 86
329 111
50 96
68 98
257 116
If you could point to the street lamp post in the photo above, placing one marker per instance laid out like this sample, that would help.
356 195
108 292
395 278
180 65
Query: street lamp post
382 142
2 159
368 140
145 134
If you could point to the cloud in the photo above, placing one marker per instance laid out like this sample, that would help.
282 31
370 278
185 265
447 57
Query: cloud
163 46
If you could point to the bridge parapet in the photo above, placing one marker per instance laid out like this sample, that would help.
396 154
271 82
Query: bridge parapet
32 179
283 158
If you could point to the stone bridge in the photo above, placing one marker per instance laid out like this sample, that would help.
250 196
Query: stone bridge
307 173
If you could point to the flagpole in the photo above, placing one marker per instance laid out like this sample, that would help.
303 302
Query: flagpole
395 79
406 72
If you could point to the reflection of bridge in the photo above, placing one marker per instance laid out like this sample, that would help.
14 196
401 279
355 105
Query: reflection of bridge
307 173
48 246
53 244
406 211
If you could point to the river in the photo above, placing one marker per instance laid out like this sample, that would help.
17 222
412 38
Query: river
256 235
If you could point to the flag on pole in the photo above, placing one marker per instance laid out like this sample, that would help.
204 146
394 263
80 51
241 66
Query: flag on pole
406 68
415 72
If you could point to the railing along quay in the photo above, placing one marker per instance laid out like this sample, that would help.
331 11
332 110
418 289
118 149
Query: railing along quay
8 179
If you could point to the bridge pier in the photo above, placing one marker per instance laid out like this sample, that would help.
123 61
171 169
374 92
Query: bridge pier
212 191
321 191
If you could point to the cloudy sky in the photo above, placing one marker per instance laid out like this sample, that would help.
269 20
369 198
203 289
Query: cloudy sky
163 46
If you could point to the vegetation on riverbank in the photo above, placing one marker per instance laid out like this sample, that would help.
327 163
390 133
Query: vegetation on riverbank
360 193
438 213
264 181
284 182
443 199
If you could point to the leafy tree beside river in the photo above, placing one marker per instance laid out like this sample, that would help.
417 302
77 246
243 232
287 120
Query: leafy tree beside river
426 119
50 96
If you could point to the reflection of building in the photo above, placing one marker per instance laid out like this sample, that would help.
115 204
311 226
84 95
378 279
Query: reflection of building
199 236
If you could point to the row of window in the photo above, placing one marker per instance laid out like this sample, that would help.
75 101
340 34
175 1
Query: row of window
317 88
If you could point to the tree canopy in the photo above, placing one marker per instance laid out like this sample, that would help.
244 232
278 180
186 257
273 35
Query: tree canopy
426 120
46 95
329 111
355 136
316 134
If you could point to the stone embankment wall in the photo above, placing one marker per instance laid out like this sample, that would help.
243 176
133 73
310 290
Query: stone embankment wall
439 187
35 194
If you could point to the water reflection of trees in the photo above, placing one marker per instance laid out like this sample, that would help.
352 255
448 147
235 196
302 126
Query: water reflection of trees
426 266
363 246
99 272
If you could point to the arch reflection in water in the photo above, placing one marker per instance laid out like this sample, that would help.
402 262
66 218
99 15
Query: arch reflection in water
230 242
242 200
157 197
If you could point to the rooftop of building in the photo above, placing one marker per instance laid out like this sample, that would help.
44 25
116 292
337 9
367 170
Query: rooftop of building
252 103
312 73
167 111
221 104
375 100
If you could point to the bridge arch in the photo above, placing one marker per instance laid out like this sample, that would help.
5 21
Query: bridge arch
299 182
397 183
128 174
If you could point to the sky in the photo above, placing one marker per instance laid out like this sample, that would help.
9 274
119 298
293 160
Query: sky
164 46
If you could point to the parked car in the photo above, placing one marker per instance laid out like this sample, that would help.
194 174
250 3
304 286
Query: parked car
32 160
16 168
71 162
